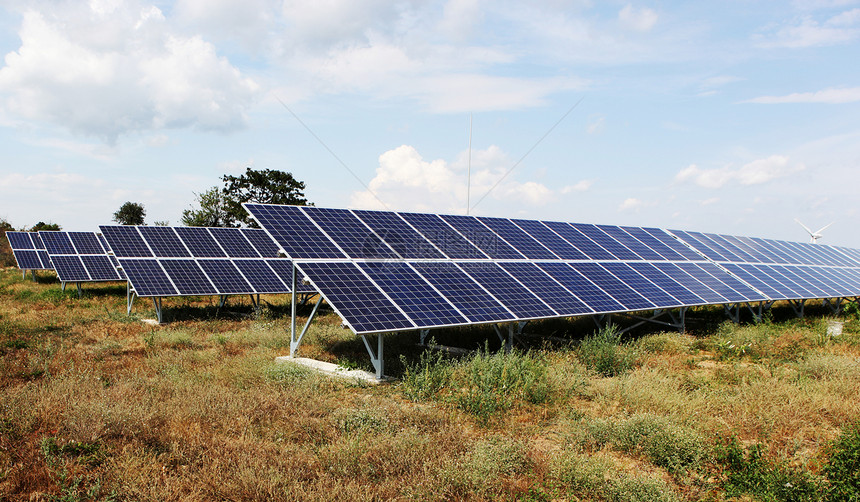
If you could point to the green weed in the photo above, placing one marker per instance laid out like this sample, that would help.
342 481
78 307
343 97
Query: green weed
843 467
604 353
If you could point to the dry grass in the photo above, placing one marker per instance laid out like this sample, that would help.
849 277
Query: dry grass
99 406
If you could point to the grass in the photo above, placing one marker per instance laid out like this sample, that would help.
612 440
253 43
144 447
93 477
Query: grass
96 405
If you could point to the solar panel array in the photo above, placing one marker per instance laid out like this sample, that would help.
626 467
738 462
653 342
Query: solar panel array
179 261
390 271
29 251
80 257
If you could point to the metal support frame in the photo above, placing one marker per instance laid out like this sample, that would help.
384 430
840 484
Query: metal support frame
129 297
507 343
376 357
797 306
834 304
675 321
156 300
78 284
602 320
222 300
296 341
422 336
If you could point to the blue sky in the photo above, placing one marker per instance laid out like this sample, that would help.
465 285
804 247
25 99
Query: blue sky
733 117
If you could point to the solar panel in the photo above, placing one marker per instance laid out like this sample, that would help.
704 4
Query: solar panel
351 235
164 242
234 243
20 240
443 270
148 278
443 236
86 243
79 257
418 300
290 228
188 277
200 242
261 241
507 290
100 268
28 250
125 241
463 292
58 243
70 268
262 277
482 237
225 276
352 294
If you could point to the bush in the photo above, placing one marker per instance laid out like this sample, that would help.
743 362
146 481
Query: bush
427 377
604 354
843 468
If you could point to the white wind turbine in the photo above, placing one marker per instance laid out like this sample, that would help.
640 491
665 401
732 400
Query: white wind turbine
814 235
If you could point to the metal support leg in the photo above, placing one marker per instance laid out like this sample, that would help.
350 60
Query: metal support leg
422 335
34 275
79 289
157 302
295 342
222 301
521 325
798 307
375 358
129 298
734 312
293 312
63 287
510 343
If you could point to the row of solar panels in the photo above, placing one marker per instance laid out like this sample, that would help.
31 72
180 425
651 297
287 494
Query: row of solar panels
389 271
208 261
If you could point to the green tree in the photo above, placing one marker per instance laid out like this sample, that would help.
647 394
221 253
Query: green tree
265 187
45 226
130 213
7 259
212 212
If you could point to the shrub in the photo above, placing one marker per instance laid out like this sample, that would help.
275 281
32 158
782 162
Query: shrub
843 468
604 353
427 377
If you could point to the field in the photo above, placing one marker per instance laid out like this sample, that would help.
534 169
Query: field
97 405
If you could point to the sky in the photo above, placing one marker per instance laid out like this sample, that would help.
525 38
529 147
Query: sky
734 117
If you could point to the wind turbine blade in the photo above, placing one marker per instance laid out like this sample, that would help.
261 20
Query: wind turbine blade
825 227
810 232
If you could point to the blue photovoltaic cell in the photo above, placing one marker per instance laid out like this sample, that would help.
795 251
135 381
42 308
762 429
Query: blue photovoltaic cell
748 247
104 243
100 268
294 231
755 278
710 241
621 235
28 259
398 234
706 250
19 240
70 268
612 285
826 284
261 241
261 276
461 290
164 242
584 289
698 271
188 277
668 284
790 272
200 242
672 243
284 270
745 292
448 240
688 281
37 241
607 243
57 242
742 255
125 242
226 277
361 304
580 241
45 259
655 245
147 277
641 285
423 304
516 237
234 243
777 272
519 300
761 249
482 237
776 281
839 280
348 232
551 240
86 243
546 288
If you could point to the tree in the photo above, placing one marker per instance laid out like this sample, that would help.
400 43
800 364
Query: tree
7 259
212 212
130 213
265 187
45 226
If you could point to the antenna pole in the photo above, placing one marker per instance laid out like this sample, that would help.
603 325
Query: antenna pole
469 168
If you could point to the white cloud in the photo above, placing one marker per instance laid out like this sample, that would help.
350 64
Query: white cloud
580 186
406 181
809 32
712 200
112 68
630 204
634 19
754 173
827 96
